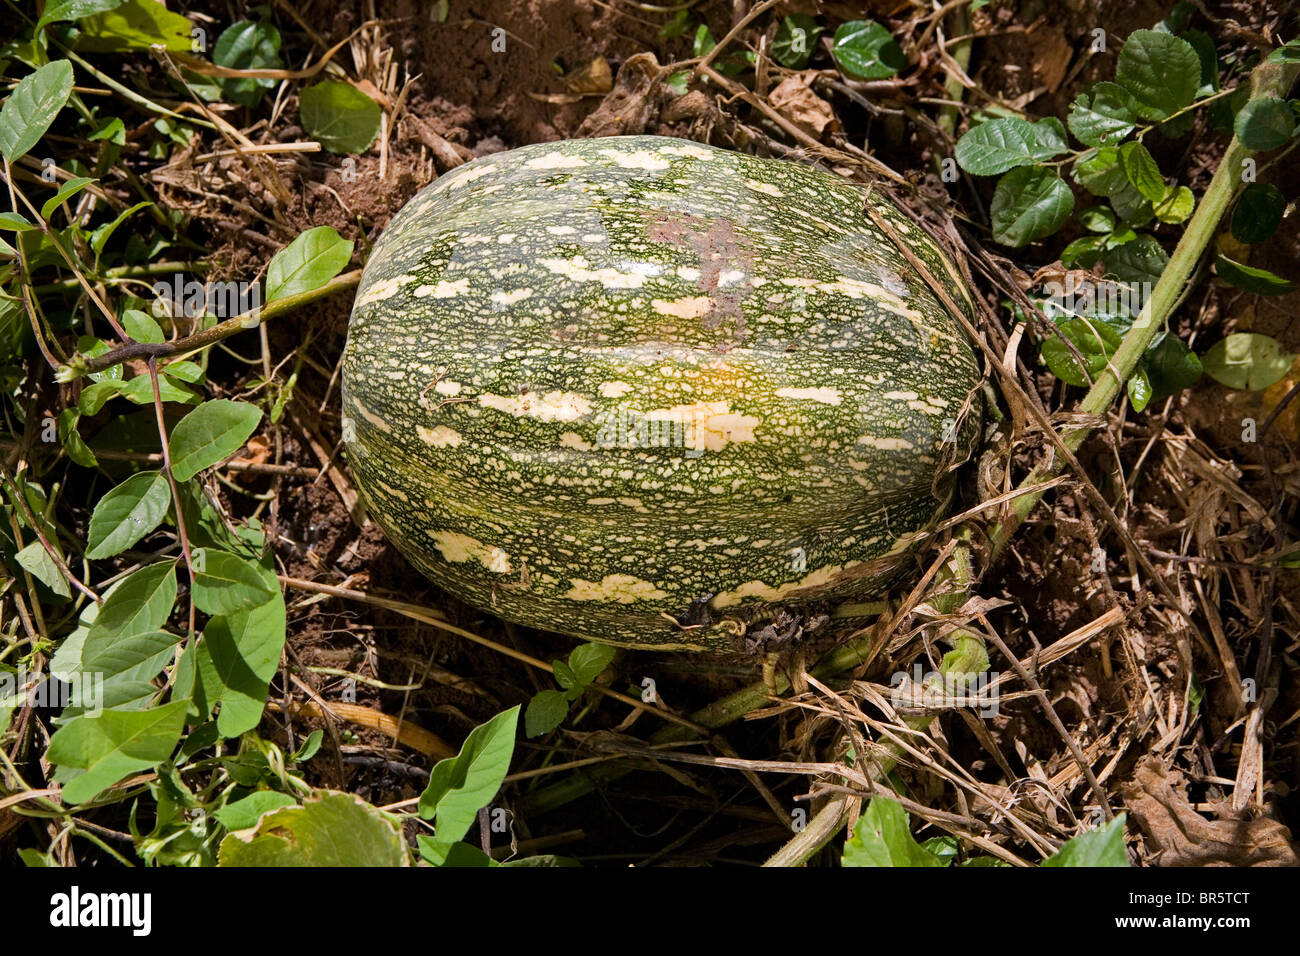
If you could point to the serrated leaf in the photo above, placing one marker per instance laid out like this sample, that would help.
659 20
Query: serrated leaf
212 432
1247 360
1264 124
339 116
546 711
1171 367
1029 203
1141 170
588 660
32 107
1162 72
1095 342
307 263
115 743
866 50
127 513
1258 213
460 786
1176 207
1103 846
998 145
1104 113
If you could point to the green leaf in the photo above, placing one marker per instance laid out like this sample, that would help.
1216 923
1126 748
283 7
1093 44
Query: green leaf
1141 170
1209 57
225 583
1222 113
1029 203
135 25
1258 281
1083 253
138 657
36 561
546 711
212 432
1105 113
99 238
73 444
307 263
140 391
238 656
339 116
142 327
140 602
330 829
1142 260
1171 367
460 786
1177 206
1139 390
678 24
1103 846
997 145
1096 342
1248 361
127 513
59 11
882 838
1161 71
564 675
1098 219
795 40
66 192
866 50
245 813
248 45
588 660
679 82
1258 213
703 43
1264 124
114 744
32 107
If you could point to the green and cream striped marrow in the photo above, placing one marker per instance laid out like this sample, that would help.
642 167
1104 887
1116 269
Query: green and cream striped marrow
640 390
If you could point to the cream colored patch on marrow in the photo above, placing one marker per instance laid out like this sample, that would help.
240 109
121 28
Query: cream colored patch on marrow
619 588
372 418
635 159
765 592
885 444
459 548
552 407
510 298
693 152
457 180
578 269
689 308
825 394
574 440
439 437
766 188
556 160
614 389
708 426
448 387
384 289
443 290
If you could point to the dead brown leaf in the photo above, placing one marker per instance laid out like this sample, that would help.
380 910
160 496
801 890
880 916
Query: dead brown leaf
1177 835
795 100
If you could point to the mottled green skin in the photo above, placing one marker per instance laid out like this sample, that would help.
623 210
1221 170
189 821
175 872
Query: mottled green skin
520 304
